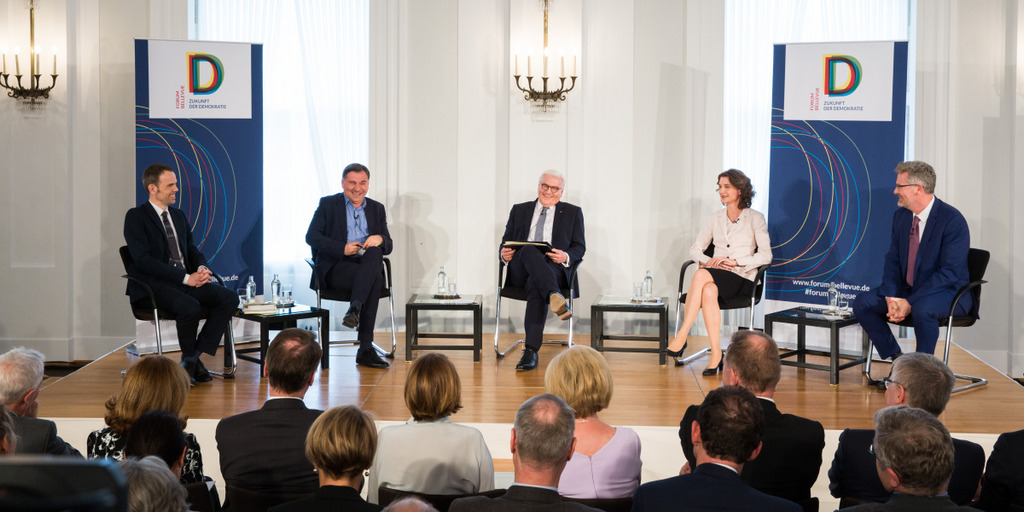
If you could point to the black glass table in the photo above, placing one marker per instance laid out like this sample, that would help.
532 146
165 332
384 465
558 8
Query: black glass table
285 317
425 302
608 304
807 316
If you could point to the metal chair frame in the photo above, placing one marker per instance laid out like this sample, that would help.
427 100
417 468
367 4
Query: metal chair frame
514 293
339 296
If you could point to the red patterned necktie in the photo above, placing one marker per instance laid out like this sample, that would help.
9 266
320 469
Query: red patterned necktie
915 240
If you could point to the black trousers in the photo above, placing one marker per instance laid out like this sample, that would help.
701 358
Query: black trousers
189 304
362 277
541 277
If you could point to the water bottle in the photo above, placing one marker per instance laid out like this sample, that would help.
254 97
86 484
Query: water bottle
833 298
648 289
442 283
275 289
250 291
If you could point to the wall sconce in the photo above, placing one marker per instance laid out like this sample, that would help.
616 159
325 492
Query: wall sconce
545 96
33 94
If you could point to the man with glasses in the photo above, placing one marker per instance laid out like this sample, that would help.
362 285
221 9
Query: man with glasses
925 266
921 381
543 274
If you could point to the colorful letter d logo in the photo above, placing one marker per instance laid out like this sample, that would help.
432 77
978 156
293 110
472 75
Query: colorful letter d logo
842 75
216 72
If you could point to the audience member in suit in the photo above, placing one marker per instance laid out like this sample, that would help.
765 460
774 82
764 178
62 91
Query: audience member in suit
21 373
409 504
725 435
152 487
790 456
543 274
429 454
918 380
340 444
349 239
913 459
153 383
1003 484
542 442
925 266
741 244
8 439
606 462
160 241
263 450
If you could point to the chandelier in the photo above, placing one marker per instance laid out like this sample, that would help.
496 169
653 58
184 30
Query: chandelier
546 96
33 93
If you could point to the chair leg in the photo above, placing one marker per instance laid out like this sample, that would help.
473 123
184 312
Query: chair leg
975 382
394 338
156 326
230 360
498 352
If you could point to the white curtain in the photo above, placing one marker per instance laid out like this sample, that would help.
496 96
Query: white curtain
752 27
315 108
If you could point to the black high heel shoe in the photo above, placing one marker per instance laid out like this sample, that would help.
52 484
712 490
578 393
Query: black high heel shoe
677 353
709 372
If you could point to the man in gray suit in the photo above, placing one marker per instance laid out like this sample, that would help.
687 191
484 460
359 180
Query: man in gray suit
542 442
21 373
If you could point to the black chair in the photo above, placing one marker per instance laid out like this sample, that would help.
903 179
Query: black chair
244 500
510 292
39 483
147 311
977 263
386 291
724 303
605 504
200 499
386 495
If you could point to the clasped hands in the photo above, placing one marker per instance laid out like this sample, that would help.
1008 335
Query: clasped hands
200 277
898 309
556 255
722 263
353 248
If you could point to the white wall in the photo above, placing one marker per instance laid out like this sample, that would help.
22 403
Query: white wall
453 146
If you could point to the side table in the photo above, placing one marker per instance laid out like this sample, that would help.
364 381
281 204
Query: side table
606 304
286 316
423 302
804 317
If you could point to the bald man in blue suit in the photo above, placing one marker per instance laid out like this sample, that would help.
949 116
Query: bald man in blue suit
939 267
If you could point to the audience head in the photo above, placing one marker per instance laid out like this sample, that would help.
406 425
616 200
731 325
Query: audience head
731 421
581 377
154 382
913 451
409 504
920 380
754 358
8 439
543 432
741 183
292 359
21 372
432 388
152 487
157 433
341 442
918 173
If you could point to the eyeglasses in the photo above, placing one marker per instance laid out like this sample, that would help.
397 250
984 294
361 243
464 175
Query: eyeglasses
545 187
908 185
890 383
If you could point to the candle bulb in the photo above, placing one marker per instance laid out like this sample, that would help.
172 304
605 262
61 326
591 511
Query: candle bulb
39 70
529 66
562 74
545 66
517 64
54 62
17 65
5 64
574 65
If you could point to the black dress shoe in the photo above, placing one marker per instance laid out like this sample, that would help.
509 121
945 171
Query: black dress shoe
370 359
708 372
200 372
189 369
880 384
351 319
528 361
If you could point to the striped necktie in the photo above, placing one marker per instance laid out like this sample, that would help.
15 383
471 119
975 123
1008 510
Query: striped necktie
172 242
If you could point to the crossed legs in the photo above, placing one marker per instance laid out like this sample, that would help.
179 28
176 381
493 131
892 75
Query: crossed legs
702 296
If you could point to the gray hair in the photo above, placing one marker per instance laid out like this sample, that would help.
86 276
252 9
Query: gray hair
544 427
914 443
554 174
918 173
409 504
21 371
927 381
152 487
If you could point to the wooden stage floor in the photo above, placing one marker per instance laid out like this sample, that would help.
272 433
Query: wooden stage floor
645 393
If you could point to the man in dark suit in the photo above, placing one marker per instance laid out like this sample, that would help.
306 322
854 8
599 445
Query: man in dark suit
1003 484
264 450
791 446
925 266
725 435
349 238
924 382
543 274
913 459
21 373
160 242
542 442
